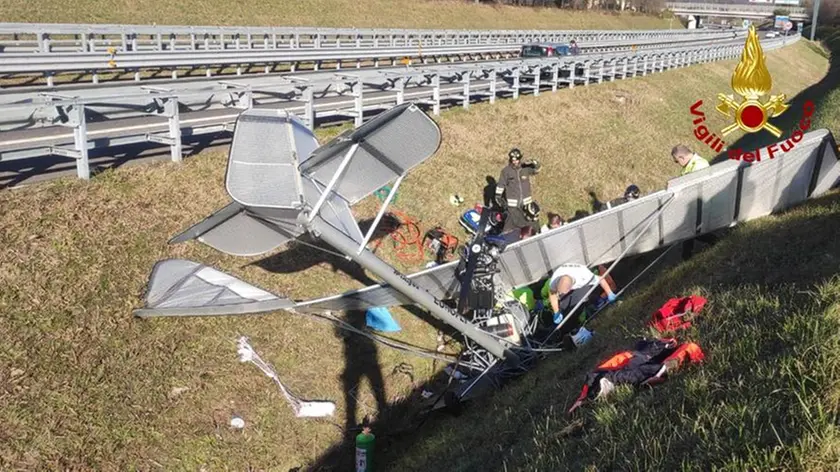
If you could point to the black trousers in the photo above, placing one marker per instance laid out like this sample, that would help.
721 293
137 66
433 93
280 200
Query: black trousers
516 220
688 246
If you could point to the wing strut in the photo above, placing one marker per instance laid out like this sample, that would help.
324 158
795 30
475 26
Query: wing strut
400 282
653 218
380 214
333 181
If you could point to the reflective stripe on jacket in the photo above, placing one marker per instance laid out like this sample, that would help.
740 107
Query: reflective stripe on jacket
516 184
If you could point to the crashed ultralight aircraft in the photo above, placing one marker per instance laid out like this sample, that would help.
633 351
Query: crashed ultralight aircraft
284 185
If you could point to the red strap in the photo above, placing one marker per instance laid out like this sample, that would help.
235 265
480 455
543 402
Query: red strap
583 393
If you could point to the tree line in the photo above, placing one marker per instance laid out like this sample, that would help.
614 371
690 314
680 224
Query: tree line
829 9
642 6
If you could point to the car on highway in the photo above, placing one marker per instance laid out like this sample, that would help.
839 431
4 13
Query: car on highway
544 50
540 50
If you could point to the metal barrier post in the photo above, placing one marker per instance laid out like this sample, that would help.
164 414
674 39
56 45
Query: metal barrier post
400 85
171 110
309 107
80 147
516 72
493 86
587 65
572 71
436 94
466 80
80 143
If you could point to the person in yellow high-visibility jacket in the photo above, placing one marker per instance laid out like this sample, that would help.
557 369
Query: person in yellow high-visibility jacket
691 162
688 160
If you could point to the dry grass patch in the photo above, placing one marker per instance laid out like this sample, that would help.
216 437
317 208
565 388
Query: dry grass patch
84 385
327 13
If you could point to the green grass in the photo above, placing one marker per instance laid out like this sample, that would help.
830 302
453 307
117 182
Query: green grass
766 398
86 386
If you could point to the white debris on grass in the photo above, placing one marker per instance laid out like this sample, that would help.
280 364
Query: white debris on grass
302 408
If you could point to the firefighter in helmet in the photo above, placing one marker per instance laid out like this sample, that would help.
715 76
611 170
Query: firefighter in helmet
513 191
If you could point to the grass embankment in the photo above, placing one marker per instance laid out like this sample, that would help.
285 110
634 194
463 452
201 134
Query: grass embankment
86 386
326 13
766 398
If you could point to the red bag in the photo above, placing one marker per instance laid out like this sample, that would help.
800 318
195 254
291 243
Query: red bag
676 313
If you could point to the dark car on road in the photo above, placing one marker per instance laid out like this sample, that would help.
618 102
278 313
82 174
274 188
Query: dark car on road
544 50
540 50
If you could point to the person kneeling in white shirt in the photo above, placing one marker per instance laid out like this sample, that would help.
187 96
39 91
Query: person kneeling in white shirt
569 284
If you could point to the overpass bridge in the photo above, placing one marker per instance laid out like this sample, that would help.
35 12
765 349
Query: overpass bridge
728 10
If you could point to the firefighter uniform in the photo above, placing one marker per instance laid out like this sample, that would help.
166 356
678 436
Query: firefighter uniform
515 184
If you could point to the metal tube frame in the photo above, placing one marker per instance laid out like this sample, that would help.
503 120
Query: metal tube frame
380 214
653 218
403 284
333 181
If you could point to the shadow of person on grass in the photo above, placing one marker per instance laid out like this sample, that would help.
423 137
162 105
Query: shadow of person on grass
489 191
304 253
361 361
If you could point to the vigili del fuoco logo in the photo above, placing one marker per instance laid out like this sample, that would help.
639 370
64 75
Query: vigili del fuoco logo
751 81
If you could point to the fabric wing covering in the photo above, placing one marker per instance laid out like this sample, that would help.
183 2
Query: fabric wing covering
263 160
263 181
237 231
389 146
711 199
186 288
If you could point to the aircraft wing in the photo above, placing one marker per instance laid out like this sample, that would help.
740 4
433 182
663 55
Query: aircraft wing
179 287
235 230
587 241
714 198
276 170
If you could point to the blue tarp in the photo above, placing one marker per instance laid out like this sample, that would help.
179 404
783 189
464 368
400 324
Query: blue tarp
380 319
